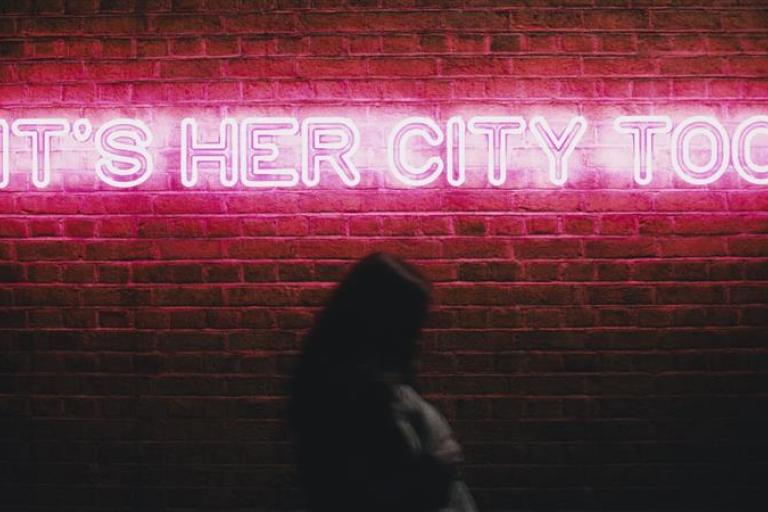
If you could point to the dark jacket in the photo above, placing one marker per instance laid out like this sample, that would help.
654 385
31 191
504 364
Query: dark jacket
382 448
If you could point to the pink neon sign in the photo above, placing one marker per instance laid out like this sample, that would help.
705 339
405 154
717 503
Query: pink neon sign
419 150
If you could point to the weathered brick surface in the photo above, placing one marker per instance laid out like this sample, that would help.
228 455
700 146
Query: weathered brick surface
595 346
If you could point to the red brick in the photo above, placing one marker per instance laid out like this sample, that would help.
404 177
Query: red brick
693 224
260 272
330 68
188 47
259 68
190 249
597 201
546 249
152 48
327 226
291 45
111 25
222 46
748 294
476 20
81 228
749 66
44 227
473 248
12 49
539 201
196 24
46 296
79 273
691 294
327 45
539 43
258 23
545 18
187 296
546 66
222 273
696 246
261 296
128 250
742 19
755 247
188 203
541 271
690 201
579 225
364 44
619 19
51 72
623 248
684 20
610 66
564 319
473 226
382 21
40 25
541 225
259 249
667 271
13 229
400 225
401 67
135 70
48 250
190 69
506 43
470 66
691 66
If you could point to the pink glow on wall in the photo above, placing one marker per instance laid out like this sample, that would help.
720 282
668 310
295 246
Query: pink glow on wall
497 130
259 151
558 147
5 154
40 133
123 147
224 153
743 140
397 148
643 130
286 151
329 140
718 148
593 324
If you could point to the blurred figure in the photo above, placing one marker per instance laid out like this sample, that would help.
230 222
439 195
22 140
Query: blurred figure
365 440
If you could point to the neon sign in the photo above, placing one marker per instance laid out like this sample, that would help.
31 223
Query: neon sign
419 151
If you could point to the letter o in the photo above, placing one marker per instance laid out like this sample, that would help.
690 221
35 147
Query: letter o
719 143
742 145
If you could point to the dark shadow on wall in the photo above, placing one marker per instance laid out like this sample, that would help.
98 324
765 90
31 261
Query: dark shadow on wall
557 420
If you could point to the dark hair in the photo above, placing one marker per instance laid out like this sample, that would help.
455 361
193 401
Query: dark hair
368 328
362 341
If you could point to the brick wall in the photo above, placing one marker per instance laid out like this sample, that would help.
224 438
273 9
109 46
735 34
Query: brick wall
600 344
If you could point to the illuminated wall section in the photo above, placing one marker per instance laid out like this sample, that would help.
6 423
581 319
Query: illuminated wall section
181 183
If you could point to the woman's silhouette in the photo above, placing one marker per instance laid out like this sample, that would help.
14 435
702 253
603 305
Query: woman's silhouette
365 440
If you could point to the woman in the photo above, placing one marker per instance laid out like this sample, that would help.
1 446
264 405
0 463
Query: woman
365 440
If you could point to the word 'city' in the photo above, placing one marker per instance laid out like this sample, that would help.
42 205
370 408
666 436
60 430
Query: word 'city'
247 151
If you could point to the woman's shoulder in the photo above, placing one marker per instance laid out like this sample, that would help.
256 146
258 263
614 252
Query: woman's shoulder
405 393
430 424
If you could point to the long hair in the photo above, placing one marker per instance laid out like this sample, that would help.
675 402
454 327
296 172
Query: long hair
362 341
368 328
